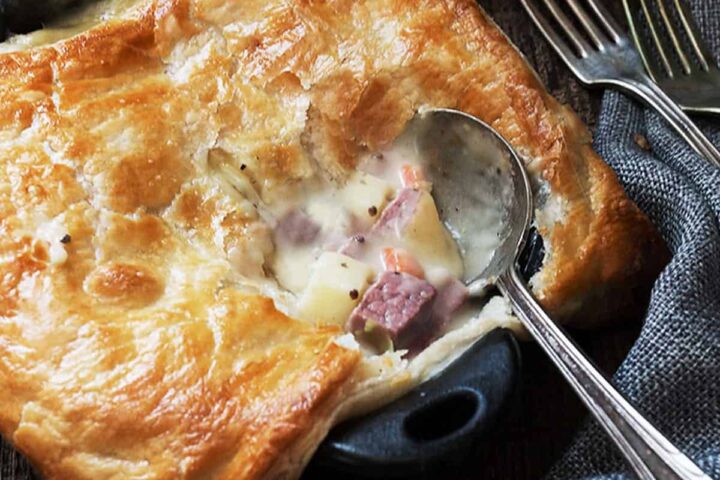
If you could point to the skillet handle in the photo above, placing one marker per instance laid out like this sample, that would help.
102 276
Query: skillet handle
434 424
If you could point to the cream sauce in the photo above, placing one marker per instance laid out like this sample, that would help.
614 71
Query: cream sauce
351 209
479 230
343 212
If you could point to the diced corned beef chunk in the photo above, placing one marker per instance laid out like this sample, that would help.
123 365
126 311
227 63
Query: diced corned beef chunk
296 228
398 303
398 212
394 217
448 299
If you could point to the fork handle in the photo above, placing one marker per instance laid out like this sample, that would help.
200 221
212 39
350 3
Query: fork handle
650 454
649 91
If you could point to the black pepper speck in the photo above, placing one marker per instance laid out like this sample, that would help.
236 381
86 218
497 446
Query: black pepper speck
66 239
354 294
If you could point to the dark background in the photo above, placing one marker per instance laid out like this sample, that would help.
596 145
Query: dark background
541 422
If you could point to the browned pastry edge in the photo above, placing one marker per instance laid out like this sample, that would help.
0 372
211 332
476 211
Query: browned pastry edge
621 253
606 254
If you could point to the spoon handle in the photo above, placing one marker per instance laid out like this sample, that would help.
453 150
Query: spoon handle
647 451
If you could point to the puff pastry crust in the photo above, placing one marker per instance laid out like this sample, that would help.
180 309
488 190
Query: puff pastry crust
131 345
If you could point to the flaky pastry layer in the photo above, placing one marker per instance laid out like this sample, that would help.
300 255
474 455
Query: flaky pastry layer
132 342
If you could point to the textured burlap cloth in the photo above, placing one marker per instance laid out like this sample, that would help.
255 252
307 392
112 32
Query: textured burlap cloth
672 373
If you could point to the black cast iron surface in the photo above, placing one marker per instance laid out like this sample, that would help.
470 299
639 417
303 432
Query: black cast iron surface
439 422
21 16
433 426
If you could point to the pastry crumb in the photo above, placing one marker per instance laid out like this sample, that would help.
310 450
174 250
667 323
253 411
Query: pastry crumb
641 141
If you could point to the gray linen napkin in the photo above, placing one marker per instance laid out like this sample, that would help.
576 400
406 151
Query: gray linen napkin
672 373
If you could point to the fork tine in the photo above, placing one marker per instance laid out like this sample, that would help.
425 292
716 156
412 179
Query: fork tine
607 20
703 54
598 37
632 12
560 45
679 51
572 33
660 43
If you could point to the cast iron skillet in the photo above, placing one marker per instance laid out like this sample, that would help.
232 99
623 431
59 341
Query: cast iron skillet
23 16
437 423
433 425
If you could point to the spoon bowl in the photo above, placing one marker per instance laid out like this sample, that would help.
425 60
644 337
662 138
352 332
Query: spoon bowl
479 184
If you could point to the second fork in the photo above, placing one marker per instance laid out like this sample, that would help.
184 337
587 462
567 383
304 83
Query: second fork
674 53
608 58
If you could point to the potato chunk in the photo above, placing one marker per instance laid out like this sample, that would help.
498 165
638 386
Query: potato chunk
427 238
412 221
337 282
365 196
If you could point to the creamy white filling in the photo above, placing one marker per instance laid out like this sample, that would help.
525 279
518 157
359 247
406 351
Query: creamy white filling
328 289
351 209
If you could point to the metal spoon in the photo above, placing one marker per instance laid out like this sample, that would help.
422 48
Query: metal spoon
472 168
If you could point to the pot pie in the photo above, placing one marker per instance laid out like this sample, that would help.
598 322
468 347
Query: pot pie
211 252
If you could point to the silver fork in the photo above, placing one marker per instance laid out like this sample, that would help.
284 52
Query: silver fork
612 60
686 70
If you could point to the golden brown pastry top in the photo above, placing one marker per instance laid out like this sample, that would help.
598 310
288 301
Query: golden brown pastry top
131 344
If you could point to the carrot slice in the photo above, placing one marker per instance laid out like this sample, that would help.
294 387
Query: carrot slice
399 260
413 177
